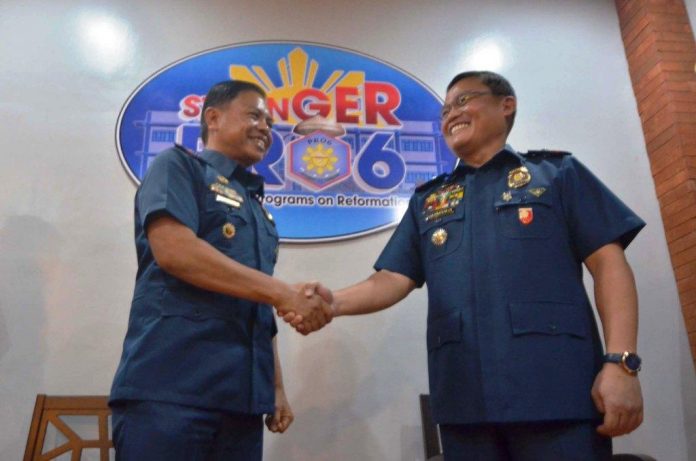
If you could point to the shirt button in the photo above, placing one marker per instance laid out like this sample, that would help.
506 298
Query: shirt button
553 327
197 312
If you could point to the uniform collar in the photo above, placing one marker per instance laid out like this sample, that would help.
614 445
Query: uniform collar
506 154
228 168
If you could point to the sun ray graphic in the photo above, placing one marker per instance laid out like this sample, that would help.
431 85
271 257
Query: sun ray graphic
320 159
297 72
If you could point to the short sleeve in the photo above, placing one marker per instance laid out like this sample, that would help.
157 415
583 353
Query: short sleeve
169 188
595 216
402 252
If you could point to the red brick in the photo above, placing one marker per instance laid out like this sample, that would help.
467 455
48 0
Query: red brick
639 70
670 170
659 164
674 36
627 10
688 296
651 81
680 190
668 184
674 46
685 242
644 40
685 270
676 208
684 257
639 36
673 220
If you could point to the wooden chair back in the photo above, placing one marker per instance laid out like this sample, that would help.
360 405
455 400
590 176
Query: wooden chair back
52 414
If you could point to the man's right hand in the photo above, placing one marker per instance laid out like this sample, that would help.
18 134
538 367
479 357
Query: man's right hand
308 309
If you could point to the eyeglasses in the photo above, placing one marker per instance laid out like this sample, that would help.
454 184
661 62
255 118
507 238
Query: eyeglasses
461 101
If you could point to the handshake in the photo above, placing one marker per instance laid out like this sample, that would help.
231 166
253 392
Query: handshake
309 307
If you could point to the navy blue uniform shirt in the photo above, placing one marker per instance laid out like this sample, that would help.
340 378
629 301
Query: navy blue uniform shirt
511 333
186 345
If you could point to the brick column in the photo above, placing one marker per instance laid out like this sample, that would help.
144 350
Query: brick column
661 55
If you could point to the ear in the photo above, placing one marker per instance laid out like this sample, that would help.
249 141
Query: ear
509 105
212 118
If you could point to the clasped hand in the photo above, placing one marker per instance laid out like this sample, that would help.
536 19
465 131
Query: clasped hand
309 309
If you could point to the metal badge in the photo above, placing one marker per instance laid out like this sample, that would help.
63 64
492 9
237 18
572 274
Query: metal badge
507 196
227 192
228 230
439 237
526 215
518 177
537 191
228 201
223 180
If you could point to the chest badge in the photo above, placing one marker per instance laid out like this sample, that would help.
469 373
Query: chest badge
439 237
223 180
537 191
228 230
526 215
519 177
225 191
442 202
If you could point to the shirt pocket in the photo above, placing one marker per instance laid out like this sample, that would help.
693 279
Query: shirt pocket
269 241
444 236
525 217
444 330
227 227
548 318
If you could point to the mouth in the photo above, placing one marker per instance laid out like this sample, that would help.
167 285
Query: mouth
261 142
458 126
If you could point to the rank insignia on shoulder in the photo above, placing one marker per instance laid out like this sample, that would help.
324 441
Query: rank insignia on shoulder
537 191
443 201
439 237
225 191
507 196
519 177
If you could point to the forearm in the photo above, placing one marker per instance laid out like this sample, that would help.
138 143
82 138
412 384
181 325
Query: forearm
381 290
616 298
182 254
278 375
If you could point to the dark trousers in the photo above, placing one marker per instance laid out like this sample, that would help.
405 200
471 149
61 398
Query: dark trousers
157 431
547 441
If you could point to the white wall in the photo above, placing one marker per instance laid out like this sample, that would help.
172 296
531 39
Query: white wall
67 261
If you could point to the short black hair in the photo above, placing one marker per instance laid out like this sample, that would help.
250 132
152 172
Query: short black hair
498 85
221 94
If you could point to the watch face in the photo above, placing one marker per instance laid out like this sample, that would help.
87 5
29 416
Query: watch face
632 362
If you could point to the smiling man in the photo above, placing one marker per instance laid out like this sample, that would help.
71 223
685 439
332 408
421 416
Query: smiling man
200 365
515 360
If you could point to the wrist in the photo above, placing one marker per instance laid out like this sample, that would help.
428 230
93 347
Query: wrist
628 361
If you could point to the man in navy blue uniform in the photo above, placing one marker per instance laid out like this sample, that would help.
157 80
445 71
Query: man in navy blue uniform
515 360
200 365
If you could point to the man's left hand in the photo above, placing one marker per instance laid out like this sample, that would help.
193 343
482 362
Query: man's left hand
281 419
618 397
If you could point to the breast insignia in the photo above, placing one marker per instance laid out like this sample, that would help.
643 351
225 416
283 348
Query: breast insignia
442 202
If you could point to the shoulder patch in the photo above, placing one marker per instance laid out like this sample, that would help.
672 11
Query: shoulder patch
432 182
546 153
